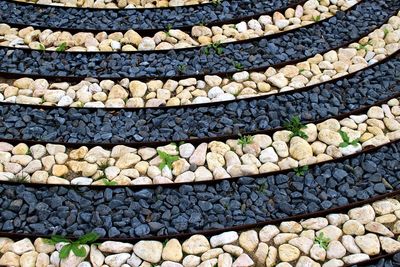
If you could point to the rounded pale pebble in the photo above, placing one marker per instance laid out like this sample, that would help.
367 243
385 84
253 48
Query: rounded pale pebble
333 263
353 227
269 155
172 251
196 244
288 253
369 244
243 261
335 250
81 181
185 177
249 240
150 251
191 261
350 244
354 258
186 150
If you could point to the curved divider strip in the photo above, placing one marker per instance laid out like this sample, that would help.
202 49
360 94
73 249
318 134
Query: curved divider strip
200 124
255 54
303 237
208 163
123 86
185 29
127 6
142 20
268 24
106 94
191 209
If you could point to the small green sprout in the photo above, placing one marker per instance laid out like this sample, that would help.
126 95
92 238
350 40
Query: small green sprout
346 140
262 188
20 178
62 47
103 165
182 68
238 65
41 47
178 145
363 47
165 242
317 18
218 49
322 241
294 125
300 171
74 246
245 140
168 27
216 2
214 46
108 182
386 32
166 159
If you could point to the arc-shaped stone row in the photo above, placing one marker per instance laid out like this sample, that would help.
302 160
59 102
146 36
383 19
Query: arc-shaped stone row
49 40
250 155
138 19
123 212
349 237
304 42
118 3
245 116
334 64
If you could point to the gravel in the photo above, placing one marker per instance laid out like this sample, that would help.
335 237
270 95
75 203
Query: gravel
261 53
123 212
122 126
138 19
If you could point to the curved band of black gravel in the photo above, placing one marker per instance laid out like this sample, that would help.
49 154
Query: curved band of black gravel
140 127
299 44
82 19
122 212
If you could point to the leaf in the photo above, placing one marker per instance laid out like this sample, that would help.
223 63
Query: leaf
302 135
165 242
245 140
41 47
386 32
166 159
88 238
322 241
78 250
61 47
343 144
344 136
108 182
162 154
162 165
355 142
65 250
57 239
